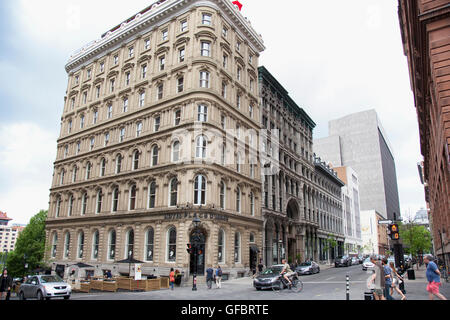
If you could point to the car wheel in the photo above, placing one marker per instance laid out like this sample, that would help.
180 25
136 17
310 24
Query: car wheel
68 297
39 295
318 270
21 296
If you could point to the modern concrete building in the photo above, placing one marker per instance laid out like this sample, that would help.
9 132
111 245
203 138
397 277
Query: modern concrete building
160 126
8 234
425 29
374 235
360 142
301 196
351 207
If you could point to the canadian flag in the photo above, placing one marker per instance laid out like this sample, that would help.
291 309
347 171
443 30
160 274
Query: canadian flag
238 4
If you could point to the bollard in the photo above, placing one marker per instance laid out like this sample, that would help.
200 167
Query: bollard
348 288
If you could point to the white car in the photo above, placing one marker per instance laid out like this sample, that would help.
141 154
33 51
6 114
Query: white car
45 287
367 264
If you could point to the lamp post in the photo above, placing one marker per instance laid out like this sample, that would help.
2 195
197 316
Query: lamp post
195 240
443 256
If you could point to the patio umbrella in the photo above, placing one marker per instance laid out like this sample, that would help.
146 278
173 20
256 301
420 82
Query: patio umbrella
82 265
130 261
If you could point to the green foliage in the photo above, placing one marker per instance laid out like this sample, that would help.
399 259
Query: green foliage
30 247
330 243
416 239
299 257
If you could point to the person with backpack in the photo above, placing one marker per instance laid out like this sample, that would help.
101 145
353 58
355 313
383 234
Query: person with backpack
219 277
209 277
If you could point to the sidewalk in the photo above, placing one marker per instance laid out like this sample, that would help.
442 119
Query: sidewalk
416 289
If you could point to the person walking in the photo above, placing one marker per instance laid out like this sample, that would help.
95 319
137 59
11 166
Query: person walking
434 278
377 279
396 280
219 277
388 279
209 277
171 278
5 284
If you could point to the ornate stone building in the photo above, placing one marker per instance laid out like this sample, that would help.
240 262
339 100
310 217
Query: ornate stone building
425 29
302 204
160 125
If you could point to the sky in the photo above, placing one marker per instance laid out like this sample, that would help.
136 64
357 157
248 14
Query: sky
334 57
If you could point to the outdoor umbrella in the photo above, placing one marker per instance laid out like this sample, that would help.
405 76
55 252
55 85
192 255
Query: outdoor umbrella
130 261
82 265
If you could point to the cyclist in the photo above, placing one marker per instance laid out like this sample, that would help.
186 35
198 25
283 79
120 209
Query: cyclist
286 271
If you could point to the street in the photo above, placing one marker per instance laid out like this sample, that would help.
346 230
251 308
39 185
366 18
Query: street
329 284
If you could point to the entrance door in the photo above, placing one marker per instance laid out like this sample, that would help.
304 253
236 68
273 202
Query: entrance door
199 238
253 257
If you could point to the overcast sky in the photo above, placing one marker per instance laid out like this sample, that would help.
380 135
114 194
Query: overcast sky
334 57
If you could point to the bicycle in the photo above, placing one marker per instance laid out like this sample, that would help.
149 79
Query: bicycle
281 284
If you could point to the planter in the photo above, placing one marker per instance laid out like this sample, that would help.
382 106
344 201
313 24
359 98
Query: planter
124 284
110 286
85 287
97 285
164 283
153 284
138 285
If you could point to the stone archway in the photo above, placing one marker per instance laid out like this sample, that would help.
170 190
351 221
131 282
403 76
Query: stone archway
293 210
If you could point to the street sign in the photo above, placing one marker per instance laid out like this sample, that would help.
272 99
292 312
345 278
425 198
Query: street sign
385 221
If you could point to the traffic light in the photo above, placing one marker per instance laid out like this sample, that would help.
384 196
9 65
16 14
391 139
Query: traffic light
189 248
394 232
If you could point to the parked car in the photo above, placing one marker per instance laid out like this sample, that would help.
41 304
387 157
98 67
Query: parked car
355 261
343 261
367 264
361 259
309 267
45 287
268 277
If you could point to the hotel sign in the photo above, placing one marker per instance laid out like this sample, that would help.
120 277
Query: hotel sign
201 215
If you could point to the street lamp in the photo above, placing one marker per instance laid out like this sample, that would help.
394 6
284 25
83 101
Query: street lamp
443 255
195 239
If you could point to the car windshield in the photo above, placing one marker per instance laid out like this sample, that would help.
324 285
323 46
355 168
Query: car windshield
46 279
272 270
367 260
305 264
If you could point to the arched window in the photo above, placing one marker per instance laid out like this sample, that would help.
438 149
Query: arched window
95 244
252 204
102 167
129 247
54 244
99 202
69 210
221 246
222 195
132 198
200 190
88 170
118 163
66 245
172 245
58 206
237 247
136 160
84 201
200 152
80 245
152 195
173 194
155 152
150 235
112 245
238 200
115 200
176 151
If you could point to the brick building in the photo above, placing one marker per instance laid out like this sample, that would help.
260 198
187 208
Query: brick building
425 29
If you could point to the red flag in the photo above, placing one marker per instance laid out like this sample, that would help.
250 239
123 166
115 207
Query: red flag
238 4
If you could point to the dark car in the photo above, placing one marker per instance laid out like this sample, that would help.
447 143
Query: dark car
342 261
309 267
268 278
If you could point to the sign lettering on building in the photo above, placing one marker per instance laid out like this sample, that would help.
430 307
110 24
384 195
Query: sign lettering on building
201 215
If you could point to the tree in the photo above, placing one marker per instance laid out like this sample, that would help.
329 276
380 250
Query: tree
30 247
330 243
416 239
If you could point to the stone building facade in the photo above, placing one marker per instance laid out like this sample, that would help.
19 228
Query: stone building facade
425 29
160 125
301 197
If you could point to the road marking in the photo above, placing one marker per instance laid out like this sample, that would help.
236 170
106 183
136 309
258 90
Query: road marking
330 278
333 282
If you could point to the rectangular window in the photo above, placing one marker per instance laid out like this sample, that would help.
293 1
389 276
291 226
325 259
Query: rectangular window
206 19
89 73
122 135
102 66
224 89
181 54
180 85
130 52
223 120
160 91
69 129
252 83
144 71
72 103
116 59
106 139
165 34
204 79
205 49
250 111
146 44
92 143
109 112
239 71
238 101
225 60
162 62
125 105
157 124
225 32
78 148
177 117
127 78
111 84
141 99
183 25
238 45
202 113
82 122
97 92
138 129
77 79
84 97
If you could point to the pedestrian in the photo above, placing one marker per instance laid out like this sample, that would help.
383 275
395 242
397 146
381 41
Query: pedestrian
434 278
171 278
209 277
388 279
5 284
377 279
260 266
219 277
396 280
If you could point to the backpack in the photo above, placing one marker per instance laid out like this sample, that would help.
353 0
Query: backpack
219 273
